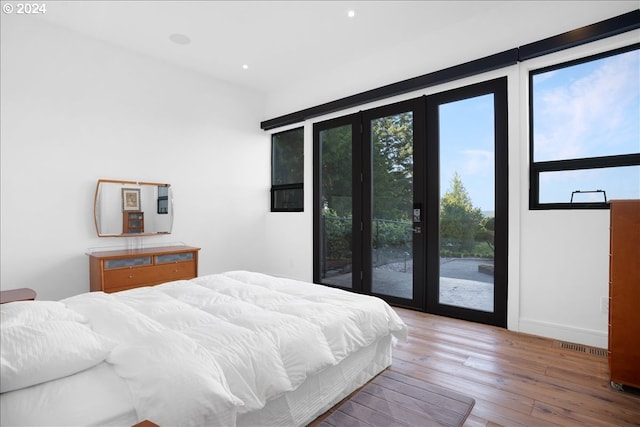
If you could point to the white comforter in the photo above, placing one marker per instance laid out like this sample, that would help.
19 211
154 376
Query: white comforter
201 352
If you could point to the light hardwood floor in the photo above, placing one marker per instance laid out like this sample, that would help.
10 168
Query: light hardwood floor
516 379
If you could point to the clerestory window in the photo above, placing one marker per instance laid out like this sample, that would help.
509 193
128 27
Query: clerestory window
287 171
585 131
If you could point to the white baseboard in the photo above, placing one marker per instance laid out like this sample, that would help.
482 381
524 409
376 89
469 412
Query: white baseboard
567 333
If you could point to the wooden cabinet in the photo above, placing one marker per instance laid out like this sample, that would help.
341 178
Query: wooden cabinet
624 294
112 271
132 222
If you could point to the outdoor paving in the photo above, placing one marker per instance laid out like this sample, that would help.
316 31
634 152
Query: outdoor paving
461 282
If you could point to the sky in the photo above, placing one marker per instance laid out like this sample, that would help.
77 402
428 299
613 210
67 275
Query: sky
467 147
585 110
588 110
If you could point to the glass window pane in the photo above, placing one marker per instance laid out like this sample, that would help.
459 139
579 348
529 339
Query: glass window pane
336 233
287 157
288 199
618 183
587 110
392 205
467 203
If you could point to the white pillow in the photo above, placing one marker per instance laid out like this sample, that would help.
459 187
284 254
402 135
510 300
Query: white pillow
30 312
41 352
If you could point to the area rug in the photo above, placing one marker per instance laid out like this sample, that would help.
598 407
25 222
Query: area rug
393 399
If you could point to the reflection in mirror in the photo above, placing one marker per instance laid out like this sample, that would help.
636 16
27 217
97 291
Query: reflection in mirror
163 199
132 208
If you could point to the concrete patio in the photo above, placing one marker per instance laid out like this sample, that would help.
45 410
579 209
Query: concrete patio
464 282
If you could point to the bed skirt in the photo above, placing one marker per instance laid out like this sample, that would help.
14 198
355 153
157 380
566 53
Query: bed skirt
321 392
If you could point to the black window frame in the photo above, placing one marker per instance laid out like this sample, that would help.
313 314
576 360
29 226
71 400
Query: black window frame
540 167
281 188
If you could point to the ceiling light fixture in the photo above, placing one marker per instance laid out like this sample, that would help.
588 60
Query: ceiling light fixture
179 39
351 13
245 67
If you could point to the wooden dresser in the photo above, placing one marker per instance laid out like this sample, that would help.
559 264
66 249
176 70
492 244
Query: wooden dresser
624 294
112 271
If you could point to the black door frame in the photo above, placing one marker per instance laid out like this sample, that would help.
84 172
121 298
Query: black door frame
426 194
417 106
498 87
354 121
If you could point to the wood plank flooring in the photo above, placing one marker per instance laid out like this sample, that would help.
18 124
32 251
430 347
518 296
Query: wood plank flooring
516 379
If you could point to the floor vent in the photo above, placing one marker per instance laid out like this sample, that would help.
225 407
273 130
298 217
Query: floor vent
602 352
593 351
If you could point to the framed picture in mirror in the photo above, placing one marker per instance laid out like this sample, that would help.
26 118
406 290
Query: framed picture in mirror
130 199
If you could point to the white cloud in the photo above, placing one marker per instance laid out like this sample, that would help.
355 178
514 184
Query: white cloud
589 116
477 161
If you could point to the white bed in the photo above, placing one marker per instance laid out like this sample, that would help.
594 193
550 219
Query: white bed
237 348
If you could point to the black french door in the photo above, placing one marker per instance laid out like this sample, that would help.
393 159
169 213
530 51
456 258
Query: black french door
467 191
368 192
410 202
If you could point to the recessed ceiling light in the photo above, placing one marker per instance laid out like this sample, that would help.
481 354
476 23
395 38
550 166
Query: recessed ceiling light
179 38
245 67
351 13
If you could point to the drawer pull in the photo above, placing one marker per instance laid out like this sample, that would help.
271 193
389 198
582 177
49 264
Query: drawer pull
131 276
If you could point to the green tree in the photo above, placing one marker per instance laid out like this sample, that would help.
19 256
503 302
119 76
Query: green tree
459 220
487 232
335 145
392 183
288 157
392 157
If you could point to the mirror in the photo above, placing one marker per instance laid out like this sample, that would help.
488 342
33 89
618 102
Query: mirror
132 208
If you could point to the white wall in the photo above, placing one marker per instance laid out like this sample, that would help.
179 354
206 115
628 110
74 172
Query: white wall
564 255
558 260
75 110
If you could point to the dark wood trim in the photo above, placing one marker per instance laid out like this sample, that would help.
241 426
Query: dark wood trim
607 28
478 66
590 33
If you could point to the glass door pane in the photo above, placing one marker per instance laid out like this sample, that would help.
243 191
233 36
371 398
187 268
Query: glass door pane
392 205
336 206
467 203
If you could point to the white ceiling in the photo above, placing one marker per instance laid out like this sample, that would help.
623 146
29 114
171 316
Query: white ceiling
286 42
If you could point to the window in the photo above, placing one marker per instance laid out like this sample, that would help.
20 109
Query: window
287 171
585 131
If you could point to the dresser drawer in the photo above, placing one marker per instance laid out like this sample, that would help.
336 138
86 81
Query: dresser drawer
172 258
126 262
119 270
176 271
117 279
122 277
